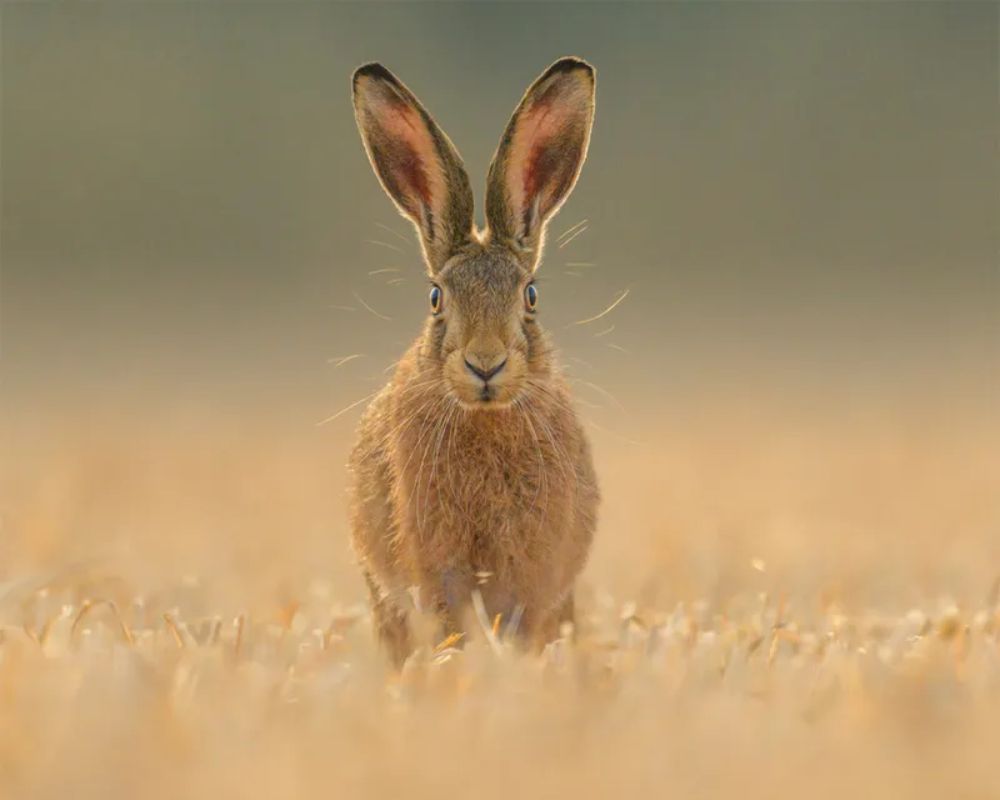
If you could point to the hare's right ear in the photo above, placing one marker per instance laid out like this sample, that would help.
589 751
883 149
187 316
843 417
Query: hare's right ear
540 156
416 163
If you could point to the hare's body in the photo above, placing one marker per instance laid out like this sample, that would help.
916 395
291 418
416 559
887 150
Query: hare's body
472 472
451 500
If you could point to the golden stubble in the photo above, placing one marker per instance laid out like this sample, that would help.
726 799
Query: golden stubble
772 595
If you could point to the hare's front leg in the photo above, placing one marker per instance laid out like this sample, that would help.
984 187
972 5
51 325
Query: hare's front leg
392 626
446 594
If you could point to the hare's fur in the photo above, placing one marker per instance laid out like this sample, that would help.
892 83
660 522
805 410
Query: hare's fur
464 485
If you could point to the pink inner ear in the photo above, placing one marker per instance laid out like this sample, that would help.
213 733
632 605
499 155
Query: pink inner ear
536 159
410 173
538 172
409 148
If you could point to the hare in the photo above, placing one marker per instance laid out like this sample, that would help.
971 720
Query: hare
471 471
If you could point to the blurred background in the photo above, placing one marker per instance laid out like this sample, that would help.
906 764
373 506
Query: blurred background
799 393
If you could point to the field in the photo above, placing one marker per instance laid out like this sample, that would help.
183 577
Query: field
773 609
774 291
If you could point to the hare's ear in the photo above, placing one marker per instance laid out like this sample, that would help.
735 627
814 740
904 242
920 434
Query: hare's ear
540 156
418 166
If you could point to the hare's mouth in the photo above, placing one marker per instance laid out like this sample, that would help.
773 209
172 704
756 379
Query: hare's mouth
487 400
479 388
486 396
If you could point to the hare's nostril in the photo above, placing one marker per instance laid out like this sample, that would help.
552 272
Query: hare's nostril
484 374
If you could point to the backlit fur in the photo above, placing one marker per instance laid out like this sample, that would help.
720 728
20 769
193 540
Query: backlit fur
464 485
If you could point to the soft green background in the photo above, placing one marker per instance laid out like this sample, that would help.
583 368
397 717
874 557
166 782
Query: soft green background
798 194
802 198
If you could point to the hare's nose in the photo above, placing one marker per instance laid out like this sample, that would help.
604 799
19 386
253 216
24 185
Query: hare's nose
485 366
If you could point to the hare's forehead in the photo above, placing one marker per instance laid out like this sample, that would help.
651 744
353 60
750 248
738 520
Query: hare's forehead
483 280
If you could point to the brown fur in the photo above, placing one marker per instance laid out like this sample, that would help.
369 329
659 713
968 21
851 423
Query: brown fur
465 483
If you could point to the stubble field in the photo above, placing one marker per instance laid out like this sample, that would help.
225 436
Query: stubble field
771 610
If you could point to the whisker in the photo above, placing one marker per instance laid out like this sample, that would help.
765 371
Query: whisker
422 395
383 270
369 308
442 430
344 410
580 264
571 229
395 281
407 420
542 480
565 242
571 272
394 232
551 396
589 404
617 347
581 362
450 449
433 442
391 367
605 332
343 308
339 362
605 312
432 405
602 391
386 244
562 457
430 426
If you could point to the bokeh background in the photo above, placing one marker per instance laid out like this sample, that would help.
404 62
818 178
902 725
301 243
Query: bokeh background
799 393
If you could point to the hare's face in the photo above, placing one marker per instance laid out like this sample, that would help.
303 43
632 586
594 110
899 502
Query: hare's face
483 333
482 338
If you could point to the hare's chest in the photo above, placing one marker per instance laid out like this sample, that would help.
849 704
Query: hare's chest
471 492
474 488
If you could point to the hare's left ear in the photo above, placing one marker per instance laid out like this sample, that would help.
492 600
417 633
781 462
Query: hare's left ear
540 156
418 166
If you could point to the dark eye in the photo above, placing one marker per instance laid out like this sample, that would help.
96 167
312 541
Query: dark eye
530 297
437 299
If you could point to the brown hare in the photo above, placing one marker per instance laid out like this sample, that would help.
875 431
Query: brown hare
471 471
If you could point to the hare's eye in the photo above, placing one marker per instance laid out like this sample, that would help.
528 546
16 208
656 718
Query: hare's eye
530 297
437 299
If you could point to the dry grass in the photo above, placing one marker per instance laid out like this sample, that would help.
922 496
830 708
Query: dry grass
757 697
773 613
